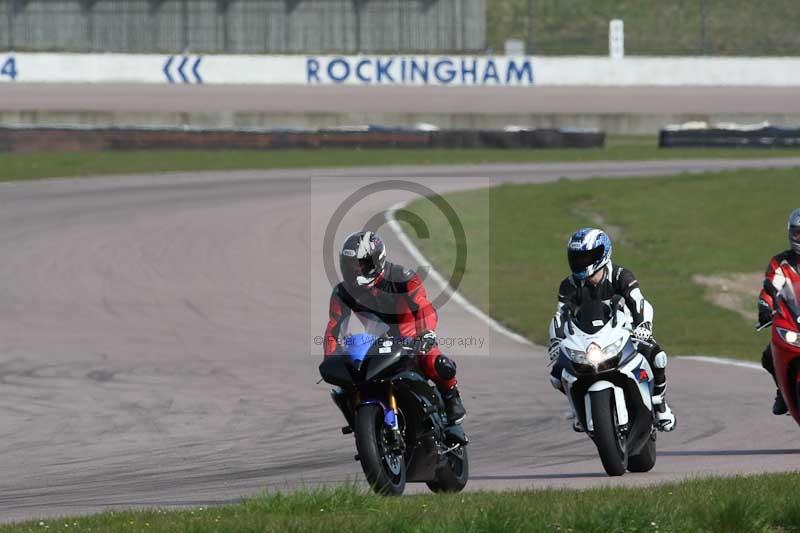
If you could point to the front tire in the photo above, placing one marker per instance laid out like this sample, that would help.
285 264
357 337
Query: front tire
454 476
645 460
610 444
385 469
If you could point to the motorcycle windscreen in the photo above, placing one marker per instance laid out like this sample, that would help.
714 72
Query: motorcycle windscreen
356 346
592 316
359 335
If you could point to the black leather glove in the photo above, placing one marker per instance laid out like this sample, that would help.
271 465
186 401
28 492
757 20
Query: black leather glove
644 332
426 341
764 314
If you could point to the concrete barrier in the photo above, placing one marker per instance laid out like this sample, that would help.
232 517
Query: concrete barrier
401 70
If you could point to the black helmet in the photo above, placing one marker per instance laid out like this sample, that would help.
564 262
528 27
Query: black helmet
362 259
794 230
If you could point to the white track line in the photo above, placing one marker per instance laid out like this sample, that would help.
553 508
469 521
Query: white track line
443 284
723 361
489 321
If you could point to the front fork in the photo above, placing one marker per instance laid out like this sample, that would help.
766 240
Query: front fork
390 414
394 437
343 402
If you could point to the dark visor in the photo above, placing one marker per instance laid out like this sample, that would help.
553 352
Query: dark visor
580 260
358 267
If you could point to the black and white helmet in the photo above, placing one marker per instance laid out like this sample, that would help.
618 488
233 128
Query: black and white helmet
362 259
793 226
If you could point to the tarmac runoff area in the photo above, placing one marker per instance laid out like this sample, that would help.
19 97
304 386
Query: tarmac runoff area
158 347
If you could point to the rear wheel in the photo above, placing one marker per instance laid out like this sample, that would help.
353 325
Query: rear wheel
645 460
610 443
454 476
383 465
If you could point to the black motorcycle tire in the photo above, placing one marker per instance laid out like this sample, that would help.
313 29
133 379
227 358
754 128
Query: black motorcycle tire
368 430
609 445
645 460
454 476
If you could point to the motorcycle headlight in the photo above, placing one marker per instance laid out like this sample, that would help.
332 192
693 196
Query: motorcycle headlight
594 355
613 349
789 336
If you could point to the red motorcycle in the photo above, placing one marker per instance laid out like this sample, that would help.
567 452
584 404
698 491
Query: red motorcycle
786 344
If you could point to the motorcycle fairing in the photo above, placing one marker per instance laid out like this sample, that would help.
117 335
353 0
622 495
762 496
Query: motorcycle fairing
619 400
633 369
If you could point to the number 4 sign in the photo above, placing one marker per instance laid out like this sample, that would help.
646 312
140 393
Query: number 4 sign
8 68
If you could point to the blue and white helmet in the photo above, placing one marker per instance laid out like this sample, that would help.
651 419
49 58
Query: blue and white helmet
588 250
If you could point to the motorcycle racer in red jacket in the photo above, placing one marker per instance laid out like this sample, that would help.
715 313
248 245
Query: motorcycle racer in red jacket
372 286
782 267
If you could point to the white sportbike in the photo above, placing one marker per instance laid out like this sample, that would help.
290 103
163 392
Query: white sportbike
609 384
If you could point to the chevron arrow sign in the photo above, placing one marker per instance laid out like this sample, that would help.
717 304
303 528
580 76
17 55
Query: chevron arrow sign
183 69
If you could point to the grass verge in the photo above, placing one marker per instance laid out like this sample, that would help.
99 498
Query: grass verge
710 27
665 229
751 504
71 164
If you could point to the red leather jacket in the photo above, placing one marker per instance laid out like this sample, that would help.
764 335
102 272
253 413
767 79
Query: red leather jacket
782 268
398 299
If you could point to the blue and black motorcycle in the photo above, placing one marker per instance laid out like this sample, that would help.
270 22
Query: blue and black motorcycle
397 417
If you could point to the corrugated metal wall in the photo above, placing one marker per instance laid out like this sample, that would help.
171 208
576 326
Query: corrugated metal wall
243 26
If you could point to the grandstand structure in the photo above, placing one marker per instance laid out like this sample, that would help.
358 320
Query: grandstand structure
243 26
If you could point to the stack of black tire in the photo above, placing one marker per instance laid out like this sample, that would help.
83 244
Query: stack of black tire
765 137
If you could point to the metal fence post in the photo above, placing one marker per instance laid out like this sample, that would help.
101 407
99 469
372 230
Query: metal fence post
529 29
222 9
12 13
703 29
287 34
401 28
357 5
87 8
185 17
152 15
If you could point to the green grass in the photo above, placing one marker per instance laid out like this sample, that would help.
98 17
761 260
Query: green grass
47 165
664 229
652 27
746 504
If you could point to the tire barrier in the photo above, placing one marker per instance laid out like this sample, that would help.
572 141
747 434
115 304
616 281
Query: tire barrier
34 139
730 137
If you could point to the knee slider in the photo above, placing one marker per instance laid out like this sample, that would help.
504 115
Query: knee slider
660 360
445 367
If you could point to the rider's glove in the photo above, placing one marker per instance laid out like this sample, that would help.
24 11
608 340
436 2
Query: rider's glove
643 332
426 341
764 313
555 349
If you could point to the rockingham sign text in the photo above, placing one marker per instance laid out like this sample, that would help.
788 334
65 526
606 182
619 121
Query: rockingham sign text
394 70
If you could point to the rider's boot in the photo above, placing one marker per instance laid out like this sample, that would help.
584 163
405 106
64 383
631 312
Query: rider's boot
779 407
453 406
665 419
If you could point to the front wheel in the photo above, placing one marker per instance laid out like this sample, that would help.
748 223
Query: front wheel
610 443
384 466
452 477
645 460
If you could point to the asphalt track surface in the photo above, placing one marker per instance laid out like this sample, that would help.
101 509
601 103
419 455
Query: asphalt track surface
157 348
116 98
